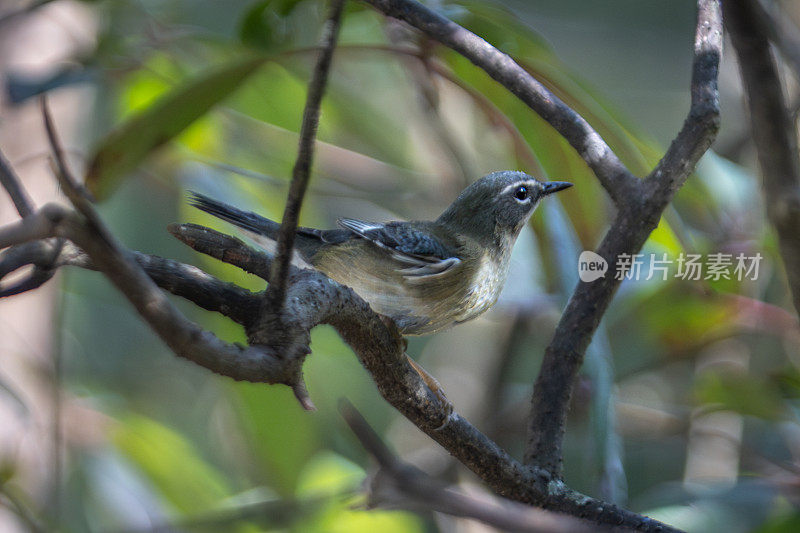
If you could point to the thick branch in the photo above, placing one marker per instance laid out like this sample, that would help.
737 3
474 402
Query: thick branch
634 222
773 131
269 364
397 484
611 172
185 338
190 282
224 248
305 154
314 299
39 254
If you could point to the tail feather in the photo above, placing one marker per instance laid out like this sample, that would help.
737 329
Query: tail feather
244 219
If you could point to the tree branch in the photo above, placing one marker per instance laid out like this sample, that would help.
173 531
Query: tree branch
279 339
223 247
12 185
701 125
305 154
259 363
773 131
39 254
634 222
378 346
397 484
43 265
314 299
612 173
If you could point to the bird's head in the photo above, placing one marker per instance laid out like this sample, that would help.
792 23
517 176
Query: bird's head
498 205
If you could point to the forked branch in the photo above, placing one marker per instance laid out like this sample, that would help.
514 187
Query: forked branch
636 218
279 335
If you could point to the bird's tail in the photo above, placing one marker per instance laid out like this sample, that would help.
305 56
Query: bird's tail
246 220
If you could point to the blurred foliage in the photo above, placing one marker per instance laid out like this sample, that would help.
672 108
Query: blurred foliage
209 96
124 149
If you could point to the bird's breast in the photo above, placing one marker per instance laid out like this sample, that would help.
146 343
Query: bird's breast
462 293
485 286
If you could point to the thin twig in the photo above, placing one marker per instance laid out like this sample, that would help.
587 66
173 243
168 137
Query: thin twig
276 293
312 298
12 185
185 338
316 299
70 186
493 114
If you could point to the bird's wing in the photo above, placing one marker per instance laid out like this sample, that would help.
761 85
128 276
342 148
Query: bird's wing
420 255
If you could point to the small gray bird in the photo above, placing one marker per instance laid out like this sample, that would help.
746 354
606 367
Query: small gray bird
427 275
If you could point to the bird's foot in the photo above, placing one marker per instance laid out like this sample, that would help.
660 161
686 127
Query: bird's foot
437 390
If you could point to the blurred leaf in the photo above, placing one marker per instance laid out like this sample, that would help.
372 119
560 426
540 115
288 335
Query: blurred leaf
172 464
788 522
741 393
273 95
684 319
281 435
500 27
702 516
276 24
504 29
256 28
125 148
789 380
143 87
665 239
329 473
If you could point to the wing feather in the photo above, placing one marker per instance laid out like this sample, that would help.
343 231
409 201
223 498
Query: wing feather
421 255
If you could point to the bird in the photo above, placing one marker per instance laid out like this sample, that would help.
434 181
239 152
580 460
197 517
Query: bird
424 275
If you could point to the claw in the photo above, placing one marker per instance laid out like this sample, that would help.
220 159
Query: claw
437 390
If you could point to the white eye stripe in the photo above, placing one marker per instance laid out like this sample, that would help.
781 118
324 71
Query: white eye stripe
530 184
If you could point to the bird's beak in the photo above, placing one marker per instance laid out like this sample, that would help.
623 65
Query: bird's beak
554 186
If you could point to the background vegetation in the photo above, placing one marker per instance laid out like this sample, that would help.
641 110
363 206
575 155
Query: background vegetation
686 409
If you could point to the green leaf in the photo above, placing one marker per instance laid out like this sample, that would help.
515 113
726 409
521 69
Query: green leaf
125 148
786 522
171 464
275 24
279 435
256 28
331 474
746 395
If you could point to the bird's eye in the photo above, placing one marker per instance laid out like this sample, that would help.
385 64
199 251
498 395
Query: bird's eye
521 193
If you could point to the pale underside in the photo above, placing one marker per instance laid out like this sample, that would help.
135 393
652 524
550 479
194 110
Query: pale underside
419 304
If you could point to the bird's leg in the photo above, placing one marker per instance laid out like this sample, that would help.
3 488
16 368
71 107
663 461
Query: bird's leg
435 388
